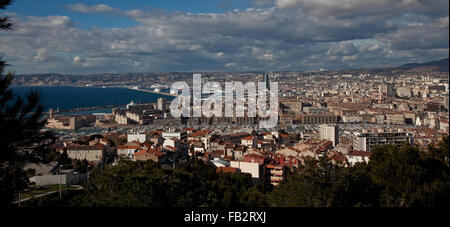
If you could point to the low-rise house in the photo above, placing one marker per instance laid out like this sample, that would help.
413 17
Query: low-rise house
229 149
337 157
284 138
102 141
198 148
156 140
255 168
249 141
358 156
217 154
172 142
235 138
128 149
150 154
170 134
289 151
217 144
203 136
268 136
254 158
443 125
136 137
94 153
218 162
238 152
290 162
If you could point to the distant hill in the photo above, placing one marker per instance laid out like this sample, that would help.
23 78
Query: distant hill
433 66
439 65
144 79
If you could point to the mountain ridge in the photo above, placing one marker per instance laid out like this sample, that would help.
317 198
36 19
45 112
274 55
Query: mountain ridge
442 65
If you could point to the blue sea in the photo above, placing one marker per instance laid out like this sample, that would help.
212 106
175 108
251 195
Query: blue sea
66 98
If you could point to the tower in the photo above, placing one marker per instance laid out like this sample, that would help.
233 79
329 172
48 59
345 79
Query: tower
267 81
390 90
446 104
330 132
73 123
161 104
387 89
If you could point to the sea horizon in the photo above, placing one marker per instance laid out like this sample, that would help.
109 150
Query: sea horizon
65 98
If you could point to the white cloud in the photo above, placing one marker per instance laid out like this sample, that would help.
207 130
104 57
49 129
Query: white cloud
231 64
287 3
135 13
42 55
309 35
374 47
100 8
77 59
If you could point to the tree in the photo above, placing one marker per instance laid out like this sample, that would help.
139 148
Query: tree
147 184
21 140
410 177
64 160
81 166
395 176
319 183
5 22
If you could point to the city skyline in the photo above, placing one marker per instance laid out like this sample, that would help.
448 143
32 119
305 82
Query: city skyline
224 104
88 37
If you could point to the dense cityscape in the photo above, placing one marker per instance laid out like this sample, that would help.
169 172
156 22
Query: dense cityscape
338 116
343 107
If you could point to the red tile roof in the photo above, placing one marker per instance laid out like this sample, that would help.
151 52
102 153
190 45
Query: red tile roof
156 152
247 138
227 170
170 148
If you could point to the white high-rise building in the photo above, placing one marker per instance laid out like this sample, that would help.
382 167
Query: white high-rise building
161 104
387 90
330 132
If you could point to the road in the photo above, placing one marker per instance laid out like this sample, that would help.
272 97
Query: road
76 188
154 92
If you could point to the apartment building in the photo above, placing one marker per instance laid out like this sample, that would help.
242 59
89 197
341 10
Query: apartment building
366 141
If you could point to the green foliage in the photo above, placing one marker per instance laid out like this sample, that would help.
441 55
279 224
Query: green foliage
30 173
5 22
393 177
65 161
51 156
53 200
21 140
81 166
320 183
146 184
410 177
12 178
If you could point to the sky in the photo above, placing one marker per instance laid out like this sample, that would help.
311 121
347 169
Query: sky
116 36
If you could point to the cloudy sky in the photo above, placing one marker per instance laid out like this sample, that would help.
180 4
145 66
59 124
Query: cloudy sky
116 36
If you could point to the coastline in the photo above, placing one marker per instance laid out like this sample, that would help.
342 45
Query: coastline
90 99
